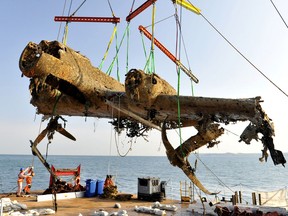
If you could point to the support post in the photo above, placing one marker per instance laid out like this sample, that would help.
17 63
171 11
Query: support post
240 197
254 201
233 200
259 198
236 197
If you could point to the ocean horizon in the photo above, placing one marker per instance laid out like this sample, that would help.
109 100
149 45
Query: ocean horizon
224 172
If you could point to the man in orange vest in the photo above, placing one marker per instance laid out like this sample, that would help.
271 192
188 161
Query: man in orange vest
21 177
29 177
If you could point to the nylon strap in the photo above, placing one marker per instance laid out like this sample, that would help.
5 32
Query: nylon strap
179 110
108 46
117 51
65 36
150 63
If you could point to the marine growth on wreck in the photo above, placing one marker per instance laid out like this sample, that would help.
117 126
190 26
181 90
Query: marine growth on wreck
63 78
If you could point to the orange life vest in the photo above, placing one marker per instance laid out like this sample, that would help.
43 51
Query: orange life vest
20 177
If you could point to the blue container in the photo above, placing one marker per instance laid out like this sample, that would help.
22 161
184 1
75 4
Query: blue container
90 188
99 187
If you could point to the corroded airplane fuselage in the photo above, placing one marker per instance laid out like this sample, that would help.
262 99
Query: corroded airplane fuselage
63 82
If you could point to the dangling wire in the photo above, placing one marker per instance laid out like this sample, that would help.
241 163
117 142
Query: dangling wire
116 133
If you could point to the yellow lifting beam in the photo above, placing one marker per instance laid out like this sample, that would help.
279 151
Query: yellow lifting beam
188 6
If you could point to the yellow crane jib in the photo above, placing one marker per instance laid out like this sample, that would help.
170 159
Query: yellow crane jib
187 5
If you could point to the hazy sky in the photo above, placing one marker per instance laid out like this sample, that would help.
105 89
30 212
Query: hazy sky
254 27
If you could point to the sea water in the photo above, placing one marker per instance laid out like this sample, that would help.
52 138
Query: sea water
223 173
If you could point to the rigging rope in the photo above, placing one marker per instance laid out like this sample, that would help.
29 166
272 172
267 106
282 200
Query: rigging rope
231 132
179 39
179 112
150 63
126 32
60 26
143 44
279 13
108 46
127 51
117 60
65 35
117 51
78 8
159 21
114 34
238 51
219 180
117 48
110 6
197 156
132 6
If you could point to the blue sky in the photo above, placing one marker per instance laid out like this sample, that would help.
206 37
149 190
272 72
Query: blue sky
254 27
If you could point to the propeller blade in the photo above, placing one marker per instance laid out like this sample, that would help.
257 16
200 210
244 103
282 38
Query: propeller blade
65 133
41 136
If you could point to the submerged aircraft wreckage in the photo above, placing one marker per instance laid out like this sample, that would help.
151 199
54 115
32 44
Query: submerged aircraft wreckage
63 82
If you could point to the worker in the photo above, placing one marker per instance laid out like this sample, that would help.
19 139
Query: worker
21 177
30 174
77 179
108 181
